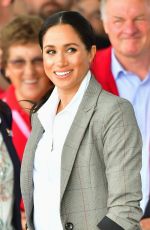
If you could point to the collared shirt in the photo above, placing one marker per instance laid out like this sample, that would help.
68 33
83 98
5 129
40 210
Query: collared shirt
47 163
137 91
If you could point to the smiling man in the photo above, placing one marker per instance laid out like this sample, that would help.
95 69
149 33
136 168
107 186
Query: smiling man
124 69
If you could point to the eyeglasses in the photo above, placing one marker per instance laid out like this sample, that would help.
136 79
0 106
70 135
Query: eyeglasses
21 63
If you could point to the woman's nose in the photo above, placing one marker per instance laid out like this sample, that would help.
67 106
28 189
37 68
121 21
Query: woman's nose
61 60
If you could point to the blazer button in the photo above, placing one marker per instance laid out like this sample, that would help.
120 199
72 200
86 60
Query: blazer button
68 226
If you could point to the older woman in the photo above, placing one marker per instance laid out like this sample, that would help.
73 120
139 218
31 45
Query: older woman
23 64
81 166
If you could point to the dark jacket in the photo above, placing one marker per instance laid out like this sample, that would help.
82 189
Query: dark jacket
147 211
5 129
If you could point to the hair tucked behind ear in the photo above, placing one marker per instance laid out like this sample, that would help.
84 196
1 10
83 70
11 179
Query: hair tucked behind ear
74 19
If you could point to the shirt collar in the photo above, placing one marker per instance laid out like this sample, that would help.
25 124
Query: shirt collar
79 94
116 67
118 70
48 111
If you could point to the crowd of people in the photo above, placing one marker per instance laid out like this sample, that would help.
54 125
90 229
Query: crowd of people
74 114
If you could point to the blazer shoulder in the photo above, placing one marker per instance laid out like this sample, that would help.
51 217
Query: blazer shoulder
110 105
113 100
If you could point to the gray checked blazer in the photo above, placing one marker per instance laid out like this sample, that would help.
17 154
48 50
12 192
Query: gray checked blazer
100 166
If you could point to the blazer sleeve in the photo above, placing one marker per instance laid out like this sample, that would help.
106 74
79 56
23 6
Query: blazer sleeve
122 157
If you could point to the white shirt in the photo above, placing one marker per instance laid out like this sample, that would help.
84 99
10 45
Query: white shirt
47 162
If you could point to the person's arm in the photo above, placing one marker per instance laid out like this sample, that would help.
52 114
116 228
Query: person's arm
122 156
23 220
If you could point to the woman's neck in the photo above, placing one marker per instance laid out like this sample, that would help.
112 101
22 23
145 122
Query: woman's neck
65 98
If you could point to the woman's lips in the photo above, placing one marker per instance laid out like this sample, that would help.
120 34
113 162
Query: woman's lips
62 74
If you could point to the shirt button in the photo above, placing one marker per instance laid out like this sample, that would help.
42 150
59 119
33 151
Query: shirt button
68 226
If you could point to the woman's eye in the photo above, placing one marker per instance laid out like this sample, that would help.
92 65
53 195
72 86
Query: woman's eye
50 51
71 50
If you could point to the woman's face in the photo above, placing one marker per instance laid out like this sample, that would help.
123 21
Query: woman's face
66 59
25 70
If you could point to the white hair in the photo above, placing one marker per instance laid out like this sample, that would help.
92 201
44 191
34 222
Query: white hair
103 7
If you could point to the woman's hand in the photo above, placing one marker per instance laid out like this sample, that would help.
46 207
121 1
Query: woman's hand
23 220
145 224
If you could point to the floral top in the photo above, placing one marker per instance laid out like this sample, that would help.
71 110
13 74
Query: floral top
6 188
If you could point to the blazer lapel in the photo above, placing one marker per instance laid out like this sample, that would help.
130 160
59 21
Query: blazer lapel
29 163
77 130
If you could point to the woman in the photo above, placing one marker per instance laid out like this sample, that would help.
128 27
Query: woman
9 174
23 65
84 153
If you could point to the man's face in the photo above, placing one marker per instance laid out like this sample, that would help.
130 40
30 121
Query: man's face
45 8
5 3
127 24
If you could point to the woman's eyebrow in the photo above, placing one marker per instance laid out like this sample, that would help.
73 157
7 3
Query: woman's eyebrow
65 45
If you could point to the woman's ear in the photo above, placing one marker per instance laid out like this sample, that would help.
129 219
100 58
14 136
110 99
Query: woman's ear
92 53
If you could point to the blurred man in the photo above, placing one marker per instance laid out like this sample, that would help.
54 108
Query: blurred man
44 8
91 11
6 14
19 7
124 70
5 11
9 9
